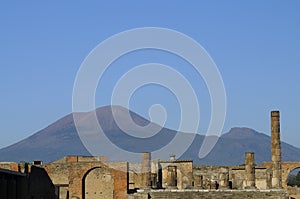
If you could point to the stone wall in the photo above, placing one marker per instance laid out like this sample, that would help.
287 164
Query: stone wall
40 184
71 176
16 185
183 173
294 192
217 194
12 166
134 176
98 183
211 177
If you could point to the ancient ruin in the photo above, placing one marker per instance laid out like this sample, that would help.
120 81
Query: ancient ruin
96 177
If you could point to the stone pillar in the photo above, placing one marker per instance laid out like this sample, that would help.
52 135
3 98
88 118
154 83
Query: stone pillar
249 170
172 177
276 149
146 170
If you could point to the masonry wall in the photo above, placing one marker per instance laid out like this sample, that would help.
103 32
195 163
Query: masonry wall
217 194
134 176
16 185
12 166
98 183
184 173
40 184
212 177
69 175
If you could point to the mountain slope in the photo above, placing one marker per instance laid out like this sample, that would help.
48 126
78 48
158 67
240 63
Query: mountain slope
61 139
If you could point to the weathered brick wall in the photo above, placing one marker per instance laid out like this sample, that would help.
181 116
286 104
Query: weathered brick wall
78 170
70 174
98 183
119 171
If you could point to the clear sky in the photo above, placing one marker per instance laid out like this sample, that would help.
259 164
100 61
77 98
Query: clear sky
255 44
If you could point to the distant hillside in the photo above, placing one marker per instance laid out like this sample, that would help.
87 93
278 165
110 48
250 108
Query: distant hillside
60 139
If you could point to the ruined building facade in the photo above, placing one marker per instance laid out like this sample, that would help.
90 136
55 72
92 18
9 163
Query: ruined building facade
79 177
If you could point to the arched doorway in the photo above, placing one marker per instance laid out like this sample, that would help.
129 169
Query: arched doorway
293 183
293 179
287 168
98 183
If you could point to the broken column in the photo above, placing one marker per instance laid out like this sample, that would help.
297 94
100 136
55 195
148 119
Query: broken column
146 170
276 149
249 170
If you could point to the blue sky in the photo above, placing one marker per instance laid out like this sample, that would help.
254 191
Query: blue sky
255 45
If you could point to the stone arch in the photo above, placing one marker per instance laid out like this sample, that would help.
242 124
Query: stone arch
97 183
287 168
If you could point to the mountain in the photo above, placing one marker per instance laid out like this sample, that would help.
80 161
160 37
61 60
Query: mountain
61 139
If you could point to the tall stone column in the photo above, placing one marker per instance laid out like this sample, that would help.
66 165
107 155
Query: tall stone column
276 149
146 170
249 170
